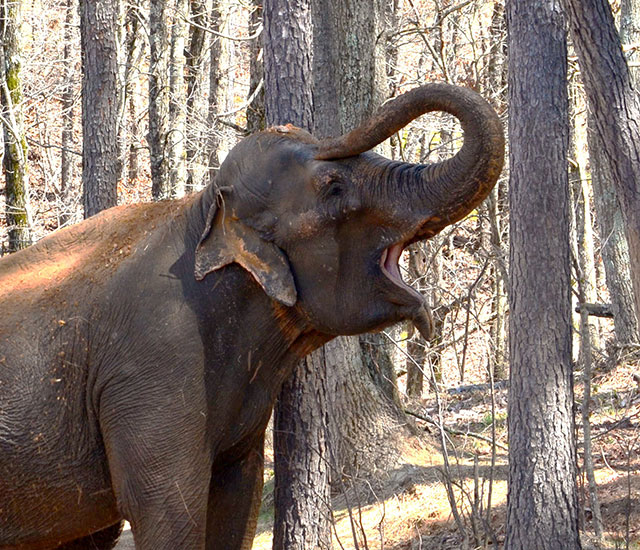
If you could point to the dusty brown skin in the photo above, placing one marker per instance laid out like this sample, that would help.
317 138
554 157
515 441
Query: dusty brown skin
142 350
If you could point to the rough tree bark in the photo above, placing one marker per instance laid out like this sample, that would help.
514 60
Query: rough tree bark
100 101
132 53
67 155
255 110
349 83
614 247
194 54
302 517
216 95
615 107
177 100
542 505
159 43
15 142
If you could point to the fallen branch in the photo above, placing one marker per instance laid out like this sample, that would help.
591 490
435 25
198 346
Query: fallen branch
453 431
621 422
597 310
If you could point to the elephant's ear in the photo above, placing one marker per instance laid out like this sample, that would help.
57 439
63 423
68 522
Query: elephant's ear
226 240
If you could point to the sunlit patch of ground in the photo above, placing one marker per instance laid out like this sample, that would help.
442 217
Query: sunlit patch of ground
410 508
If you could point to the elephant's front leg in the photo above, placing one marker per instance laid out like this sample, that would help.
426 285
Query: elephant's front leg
160 469
235 495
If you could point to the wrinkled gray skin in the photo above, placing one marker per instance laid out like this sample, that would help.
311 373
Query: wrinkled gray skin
141 351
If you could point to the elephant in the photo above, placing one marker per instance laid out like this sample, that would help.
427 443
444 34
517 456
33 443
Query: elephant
142 350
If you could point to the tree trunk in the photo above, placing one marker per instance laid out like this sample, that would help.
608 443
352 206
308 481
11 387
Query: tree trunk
159 42
15 142
542 505
365 417
302 513
128 123
494 85
613 242
67 156
177 101
348 85
100 101
215 89
630 31
255 110
615 107
302 496
288 43
343 46
194 58
581 211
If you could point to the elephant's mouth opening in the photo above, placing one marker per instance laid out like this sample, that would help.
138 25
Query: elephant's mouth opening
389 264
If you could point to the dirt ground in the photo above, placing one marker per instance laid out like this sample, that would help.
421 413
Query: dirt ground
410 510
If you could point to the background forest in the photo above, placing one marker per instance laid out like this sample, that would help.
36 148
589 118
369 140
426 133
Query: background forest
115 102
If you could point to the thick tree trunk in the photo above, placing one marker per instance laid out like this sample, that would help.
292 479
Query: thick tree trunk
615 107
100 101
542 505
288 81
302 496
348 85
365 419
15 142
302 510
614 247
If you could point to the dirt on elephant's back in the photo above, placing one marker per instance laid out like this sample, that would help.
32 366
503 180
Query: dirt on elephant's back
82 255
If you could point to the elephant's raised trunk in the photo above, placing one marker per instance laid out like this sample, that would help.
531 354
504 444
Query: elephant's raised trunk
449 190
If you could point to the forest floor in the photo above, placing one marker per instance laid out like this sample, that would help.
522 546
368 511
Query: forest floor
409 509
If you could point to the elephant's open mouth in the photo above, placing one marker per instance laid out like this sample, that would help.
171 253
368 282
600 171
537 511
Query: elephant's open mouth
389 264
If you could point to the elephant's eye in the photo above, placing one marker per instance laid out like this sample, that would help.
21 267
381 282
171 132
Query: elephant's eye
334 189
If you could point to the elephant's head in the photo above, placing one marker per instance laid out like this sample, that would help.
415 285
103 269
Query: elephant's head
321 225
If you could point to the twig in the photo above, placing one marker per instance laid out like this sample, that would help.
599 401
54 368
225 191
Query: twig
615 425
